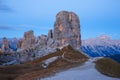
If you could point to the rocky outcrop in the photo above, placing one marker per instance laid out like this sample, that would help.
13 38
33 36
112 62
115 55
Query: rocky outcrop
26 46
5 45
42 40
28 40
13 43
1 52
67 29
7 55
19 44
50 34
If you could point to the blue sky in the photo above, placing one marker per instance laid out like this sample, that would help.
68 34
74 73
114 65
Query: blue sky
97 17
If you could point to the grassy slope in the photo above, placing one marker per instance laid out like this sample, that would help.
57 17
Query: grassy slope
32 70
108 67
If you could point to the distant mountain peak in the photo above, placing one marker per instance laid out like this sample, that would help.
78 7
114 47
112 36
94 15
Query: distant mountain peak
101 46
103 37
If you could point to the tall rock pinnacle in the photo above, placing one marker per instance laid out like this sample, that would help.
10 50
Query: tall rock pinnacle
28 39
67 29
50 34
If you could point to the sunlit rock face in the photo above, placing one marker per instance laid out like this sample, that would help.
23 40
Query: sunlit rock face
67 29
26 46
28 39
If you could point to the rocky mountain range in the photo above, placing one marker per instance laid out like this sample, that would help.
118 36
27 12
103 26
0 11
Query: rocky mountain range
37 57
66 31
101 46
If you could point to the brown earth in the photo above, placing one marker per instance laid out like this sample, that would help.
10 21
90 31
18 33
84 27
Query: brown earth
108 67
32 70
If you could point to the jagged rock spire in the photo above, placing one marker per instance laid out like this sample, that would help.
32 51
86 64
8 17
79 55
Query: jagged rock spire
67 29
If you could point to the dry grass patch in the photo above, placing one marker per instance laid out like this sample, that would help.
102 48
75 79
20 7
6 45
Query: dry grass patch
32 69
108 67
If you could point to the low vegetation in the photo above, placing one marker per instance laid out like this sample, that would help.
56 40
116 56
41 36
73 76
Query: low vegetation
32 70
108 67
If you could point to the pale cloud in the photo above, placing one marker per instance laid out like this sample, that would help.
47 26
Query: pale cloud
111 35
4 7
6 28
23 27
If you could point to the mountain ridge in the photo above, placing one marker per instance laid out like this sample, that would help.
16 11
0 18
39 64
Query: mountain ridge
102 46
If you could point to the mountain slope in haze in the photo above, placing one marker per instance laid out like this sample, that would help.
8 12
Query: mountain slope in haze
101 46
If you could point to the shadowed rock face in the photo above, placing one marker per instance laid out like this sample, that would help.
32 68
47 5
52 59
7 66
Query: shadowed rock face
5 45
67 29
50 34
19 43
28 39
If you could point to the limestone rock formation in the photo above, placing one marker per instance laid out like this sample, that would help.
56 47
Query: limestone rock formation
5 45
19 44
42 40
1 52
26 46
50 34
50 42
67 29
28 39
